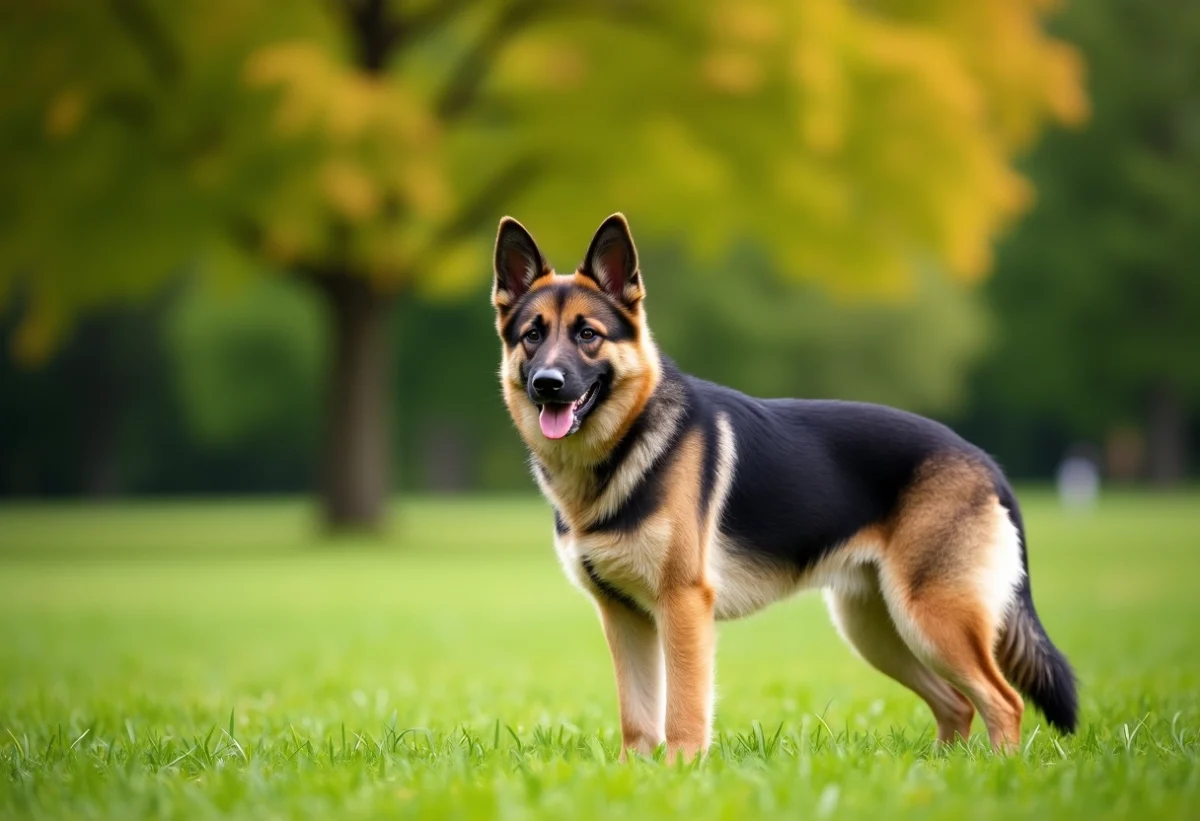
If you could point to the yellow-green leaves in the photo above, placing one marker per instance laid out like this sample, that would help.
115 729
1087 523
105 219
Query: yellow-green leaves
852 141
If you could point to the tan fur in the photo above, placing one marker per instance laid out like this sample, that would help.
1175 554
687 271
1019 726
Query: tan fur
685 608
746 584
637 658
685 615
861 617
662 567
568 484
921 596
948 575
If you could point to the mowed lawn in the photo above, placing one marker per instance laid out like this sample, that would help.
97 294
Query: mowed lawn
217 660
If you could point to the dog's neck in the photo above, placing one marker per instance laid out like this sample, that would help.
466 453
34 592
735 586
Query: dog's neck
589 485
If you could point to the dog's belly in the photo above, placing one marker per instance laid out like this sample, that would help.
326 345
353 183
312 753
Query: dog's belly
746 583
743 582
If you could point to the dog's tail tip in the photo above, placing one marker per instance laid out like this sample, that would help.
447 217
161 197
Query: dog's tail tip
1037 668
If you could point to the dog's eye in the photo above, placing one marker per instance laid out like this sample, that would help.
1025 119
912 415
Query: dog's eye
587 335
533 335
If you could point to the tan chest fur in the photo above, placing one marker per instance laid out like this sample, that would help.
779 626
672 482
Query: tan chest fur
675 545
631 563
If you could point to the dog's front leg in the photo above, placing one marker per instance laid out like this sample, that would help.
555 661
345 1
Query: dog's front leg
638 663
688 636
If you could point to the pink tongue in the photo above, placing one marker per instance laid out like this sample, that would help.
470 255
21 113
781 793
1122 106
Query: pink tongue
556 420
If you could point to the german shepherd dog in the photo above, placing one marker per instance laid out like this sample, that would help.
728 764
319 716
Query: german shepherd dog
678 502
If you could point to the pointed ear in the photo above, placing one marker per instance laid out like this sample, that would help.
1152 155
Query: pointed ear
613 263
518 263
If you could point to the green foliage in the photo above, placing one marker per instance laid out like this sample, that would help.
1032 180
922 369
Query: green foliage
121 138
202 661
736 323
1097 292
382 140
230 379
855 143
248 365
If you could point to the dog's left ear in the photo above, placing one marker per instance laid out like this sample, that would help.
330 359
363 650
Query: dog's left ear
612 262
518 264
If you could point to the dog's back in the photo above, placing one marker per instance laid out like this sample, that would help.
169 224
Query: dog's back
812 473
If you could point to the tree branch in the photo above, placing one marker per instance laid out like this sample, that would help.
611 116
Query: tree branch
466 80
464 84
516 177
375 33
151 38
421 23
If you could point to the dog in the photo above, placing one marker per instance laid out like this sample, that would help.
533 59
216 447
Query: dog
679 502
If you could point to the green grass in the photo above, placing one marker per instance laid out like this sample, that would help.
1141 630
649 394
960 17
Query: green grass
216 661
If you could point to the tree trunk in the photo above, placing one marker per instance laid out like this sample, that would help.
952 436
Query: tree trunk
358 417
1166 434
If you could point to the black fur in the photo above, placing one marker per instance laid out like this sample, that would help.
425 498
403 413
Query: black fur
642 502
607 589
612 248
665 408
708 471
618 325
517 261
1043 673
606 470
812 473
809 474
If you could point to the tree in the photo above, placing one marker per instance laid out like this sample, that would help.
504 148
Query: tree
370 146
771 338
1097 293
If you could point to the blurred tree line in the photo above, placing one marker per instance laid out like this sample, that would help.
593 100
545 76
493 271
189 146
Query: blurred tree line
218 390
300 251
1097 293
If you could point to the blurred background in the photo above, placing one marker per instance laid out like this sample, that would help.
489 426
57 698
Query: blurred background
245 246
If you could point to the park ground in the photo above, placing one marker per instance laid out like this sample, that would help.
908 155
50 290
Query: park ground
219 660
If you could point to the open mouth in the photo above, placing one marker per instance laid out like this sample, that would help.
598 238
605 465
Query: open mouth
558 421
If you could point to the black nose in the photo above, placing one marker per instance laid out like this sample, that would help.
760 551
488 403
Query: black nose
548 381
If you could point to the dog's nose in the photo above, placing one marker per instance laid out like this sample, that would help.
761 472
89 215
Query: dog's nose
548 381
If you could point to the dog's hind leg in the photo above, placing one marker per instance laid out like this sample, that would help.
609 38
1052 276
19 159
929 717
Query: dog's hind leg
949 575
861 617
637 659
954 638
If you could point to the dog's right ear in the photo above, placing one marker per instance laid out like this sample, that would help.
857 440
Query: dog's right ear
518 264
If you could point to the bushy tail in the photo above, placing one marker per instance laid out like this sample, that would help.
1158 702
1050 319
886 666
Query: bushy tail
1027 656
1036 667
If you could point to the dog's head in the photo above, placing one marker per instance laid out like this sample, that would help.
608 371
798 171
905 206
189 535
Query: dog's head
578 360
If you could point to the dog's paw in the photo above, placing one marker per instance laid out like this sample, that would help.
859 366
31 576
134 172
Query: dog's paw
640 744
688 751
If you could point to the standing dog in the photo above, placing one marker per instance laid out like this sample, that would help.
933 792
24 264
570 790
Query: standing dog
678 502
